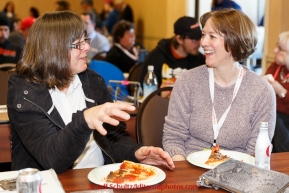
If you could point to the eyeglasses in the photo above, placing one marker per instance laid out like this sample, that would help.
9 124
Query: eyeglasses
81 45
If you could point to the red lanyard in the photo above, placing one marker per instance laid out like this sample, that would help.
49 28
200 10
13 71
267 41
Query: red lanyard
277 72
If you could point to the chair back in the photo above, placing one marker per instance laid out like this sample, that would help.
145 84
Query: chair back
151 118
7 66
134 75
4 77
100 56
109 72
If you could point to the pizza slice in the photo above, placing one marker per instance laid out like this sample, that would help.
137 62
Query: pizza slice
130 172
216 157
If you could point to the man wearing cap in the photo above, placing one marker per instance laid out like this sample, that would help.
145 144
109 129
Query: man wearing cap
9 52
19 38
173 56
99 43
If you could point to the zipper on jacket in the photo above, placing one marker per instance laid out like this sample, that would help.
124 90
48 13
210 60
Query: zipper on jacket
104 151
62 128
43 111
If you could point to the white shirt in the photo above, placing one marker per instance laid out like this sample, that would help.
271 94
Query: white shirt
70 103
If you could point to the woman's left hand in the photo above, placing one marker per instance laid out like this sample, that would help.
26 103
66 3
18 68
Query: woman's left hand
154 156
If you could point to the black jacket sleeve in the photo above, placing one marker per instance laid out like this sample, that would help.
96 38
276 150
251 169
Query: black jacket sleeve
44 140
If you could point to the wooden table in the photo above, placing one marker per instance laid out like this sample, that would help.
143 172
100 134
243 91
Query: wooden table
5 148
182 179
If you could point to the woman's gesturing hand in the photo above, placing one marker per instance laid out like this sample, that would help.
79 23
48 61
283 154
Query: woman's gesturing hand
109 113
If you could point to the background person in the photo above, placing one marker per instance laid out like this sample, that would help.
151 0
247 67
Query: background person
278 76
9 9
87 6
110 16
123 53
222 4
99 43
19 37
175 55
9 52
203 95
33 12
124 10
62 5
57 133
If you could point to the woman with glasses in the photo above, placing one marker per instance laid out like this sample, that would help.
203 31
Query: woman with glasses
60 112
278 76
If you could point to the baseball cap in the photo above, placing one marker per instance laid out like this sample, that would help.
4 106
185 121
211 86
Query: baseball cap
27 22
188 26
4 19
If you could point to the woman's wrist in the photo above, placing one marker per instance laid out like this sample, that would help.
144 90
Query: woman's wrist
178 158
282 94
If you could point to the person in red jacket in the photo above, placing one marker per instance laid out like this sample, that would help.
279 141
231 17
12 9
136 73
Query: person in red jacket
278 76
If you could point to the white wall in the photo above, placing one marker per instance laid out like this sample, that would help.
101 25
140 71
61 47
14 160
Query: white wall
253 8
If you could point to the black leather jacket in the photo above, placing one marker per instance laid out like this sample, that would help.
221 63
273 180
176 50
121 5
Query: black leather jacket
39 136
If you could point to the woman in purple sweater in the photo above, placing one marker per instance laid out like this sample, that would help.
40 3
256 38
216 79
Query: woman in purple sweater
221 102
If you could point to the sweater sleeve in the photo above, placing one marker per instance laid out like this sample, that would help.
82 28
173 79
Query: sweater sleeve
176 127
265 110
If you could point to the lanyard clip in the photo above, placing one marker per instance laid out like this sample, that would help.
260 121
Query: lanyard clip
215 143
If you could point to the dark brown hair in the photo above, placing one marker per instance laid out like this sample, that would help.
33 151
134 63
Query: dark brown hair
174 41
6 6
46 54
120 28
238 30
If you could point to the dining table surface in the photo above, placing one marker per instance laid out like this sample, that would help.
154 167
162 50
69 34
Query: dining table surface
182 179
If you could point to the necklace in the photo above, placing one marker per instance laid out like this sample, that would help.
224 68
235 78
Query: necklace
284 78
222 95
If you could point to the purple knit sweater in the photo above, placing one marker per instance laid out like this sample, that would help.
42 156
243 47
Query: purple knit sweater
188 125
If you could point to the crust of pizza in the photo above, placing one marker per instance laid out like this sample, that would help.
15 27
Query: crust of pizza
216 157
130 172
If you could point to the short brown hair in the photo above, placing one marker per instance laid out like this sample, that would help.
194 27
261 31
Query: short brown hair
239 32
120 28
46 54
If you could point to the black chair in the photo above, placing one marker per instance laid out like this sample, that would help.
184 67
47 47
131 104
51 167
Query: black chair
100 56
134 75
7 66
151 118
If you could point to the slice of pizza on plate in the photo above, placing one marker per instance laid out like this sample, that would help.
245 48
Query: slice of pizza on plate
130 172
216 157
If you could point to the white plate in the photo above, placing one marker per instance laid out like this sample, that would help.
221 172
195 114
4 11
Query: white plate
200 157
98 175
